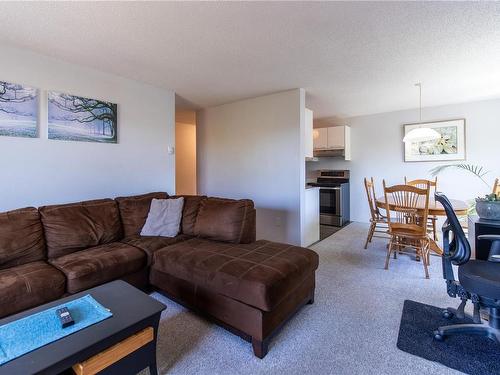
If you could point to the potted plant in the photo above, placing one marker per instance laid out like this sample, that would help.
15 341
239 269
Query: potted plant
488 207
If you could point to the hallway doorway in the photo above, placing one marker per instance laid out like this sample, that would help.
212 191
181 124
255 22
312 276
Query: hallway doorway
185 158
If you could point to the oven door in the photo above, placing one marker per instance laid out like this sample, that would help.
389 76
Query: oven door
330 209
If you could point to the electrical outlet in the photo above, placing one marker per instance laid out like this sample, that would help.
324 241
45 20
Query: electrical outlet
277 221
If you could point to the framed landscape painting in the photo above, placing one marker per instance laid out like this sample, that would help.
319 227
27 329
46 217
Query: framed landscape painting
18 110
74 118
451 145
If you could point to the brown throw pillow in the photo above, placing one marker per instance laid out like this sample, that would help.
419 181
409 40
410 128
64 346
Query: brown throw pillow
222 219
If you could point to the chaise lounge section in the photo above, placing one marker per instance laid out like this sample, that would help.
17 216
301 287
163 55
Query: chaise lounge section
214 265
250 288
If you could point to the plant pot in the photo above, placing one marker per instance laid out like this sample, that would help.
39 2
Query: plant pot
489 210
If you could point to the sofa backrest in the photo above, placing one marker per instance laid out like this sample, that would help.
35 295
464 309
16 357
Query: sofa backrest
77 226
134 211
21 237
190 212
226 220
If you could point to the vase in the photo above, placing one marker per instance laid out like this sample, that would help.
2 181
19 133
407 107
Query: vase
489 210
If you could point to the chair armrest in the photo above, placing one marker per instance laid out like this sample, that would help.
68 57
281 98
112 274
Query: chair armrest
489 237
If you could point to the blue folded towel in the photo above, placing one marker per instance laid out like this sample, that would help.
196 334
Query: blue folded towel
32 332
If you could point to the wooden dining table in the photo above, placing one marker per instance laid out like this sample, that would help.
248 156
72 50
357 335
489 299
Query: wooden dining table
435 209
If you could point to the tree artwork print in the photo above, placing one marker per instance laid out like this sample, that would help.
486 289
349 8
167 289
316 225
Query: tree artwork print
18 110
74 118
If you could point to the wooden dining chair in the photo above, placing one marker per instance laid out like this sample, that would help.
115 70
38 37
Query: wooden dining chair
408 223
422 184
378 222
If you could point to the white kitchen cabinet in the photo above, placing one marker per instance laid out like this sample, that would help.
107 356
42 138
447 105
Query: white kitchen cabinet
320 138
336 137
347 143
309 143
333 141
311 224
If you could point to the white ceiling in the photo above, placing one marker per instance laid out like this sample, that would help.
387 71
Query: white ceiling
352 58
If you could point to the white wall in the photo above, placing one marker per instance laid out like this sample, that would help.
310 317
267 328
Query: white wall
39 171
377 150
254 149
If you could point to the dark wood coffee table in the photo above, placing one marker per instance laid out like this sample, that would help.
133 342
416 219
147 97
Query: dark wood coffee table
129 335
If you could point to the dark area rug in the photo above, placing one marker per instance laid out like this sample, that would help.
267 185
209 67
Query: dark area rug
467 353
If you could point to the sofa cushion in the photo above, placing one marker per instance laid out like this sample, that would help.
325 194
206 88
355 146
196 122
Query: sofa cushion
87 268
77 226
225 220
134 211
259 274
190 212
151 244
29 285
21 237
164 218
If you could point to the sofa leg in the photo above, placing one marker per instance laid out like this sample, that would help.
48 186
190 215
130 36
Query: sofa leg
260 347
311 300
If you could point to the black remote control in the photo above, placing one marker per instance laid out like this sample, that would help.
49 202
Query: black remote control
65 317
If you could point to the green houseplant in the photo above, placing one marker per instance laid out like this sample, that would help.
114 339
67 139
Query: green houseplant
487 207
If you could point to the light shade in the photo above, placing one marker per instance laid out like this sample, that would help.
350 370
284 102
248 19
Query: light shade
421 135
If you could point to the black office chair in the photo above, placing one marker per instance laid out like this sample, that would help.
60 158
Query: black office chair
479 280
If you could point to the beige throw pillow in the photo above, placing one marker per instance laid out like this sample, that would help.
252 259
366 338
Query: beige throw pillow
164 218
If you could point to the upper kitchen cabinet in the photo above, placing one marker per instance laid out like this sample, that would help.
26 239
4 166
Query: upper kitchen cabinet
320 138
336 137
333 141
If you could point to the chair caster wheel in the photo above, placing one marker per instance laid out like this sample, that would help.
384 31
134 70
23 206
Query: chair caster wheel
447 314
438 336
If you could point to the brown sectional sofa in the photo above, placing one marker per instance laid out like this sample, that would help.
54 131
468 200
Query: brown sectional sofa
214 266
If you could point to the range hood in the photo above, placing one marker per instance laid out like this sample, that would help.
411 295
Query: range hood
333 152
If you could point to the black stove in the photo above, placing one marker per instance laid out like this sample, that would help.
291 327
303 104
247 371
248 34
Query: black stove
334 207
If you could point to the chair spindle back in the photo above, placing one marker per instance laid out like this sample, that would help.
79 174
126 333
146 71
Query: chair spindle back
370 193
422 183
496 187
407 205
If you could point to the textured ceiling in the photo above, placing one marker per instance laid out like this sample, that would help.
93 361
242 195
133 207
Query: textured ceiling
352 58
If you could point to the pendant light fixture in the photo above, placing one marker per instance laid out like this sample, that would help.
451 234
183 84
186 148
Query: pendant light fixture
422 133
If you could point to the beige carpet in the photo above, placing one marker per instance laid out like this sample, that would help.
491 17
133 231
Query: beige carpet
351 329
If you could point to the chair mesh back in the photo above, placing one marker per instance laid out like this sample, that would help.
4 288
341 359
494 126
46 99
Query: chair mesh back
458 249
